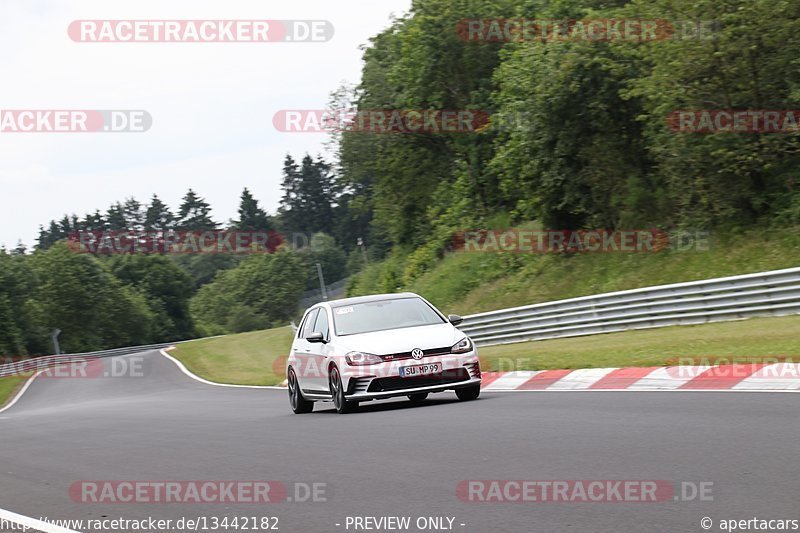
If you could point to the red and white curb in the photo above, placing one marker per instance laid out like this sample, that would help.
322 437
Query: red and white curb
777 377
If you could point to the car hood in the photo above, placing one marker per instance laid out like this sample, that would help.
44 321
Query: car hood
402 340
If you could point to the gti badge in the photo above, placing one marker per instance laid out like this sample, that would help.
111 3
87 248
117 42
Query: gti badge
416 353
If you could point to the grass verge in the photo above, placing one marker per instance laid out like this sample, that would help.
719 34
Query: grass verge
243 359
742 341
255 358
9 387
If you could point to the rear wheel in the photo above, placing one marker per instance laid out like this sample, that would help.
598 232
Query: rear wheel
337 393
299 404
418 397
466 394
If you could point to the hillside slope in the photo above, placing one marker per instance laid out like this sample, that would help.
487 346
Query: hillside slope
473 282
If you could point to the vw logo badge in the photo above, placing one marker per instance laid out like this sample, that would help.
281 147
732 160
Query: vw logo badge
416 353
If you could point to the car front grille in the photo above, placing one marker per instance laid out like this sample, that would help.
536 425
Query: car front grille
398 383
425 353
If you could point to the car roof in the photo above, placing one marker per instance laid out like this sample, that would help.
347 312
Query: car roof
371 298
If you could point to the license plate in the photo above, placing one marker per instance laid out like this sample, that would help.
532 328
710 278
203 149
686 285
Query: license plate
420 370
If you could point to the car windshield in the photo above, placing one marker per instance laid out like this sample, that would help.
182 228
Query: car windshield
384 314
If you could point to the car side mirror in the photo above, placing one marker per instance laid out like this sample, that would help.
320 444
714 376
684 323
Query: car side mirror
455 319
316 337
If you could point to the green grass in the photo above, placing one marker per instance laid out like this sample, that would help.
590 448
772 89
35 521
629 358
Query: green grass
465 283
9 386
256 358
252 358
741 341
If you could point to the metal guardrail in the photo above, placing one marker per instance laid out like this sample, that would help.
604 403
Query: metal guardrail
773 293
33 364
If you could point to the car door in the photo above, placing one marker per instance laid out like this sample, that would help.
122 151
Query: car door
318 352
302 350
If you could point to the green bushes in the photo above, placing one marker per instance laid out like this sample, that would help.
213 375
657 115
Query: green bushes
262 291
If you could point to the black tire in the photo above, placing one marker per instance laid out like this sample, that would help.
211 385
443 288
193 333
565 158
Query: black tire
341 405
467 394
418 397
299 404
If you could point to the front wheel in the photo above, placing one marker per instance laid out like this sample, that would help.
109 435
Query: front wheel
469 393
299 404
337 393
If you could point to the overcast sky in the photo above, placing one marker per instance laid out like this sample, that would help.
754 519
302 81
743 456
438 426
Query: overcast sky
212 104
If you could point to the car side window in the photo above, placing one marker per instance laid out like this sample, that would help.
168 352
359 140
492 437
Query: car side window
322 323
308 325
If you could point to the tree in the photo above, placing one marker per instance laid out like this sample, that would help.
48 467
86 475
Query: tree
134 217
166 288
261 292
309 195
251 216
323 249
93 222
158 216
21 331
291 203
194 214
115 218
67 281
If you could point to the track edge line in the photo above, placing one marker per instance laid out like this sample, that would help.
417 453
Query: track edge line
195 377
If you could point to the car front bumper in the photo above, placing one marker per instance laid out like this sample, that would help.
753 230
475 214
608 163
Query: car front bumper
363 383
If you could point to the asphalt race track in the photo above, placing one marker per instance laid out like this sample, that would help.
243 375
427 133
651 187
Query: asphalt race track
393 458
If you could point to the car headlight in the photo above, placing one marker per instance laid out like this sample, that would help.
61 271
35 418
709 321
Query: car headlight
361 358
462 346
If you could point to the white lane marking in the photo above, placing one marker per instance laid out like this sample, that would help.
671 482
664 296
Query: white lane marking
32 523
27 384
581 379
195 377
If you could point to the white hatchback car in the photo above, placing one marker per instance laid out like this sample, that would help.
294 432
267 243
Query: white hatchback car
374 347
